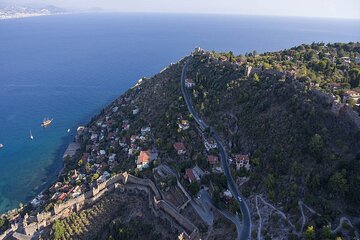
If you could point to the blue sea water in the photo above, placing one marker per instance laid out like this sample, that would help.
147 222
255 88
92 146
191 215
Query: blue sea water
69 67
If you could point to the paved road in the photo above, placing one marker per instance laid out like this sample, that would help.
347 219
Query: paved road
203 207
206 200
246 220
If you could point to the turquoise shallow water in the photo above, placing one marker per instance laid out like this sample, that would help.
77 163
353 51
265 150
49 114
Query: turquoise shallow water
69 67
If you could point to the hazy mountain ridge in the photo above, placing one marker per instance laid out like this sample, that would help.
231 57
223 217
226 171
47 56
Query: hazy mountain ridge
8 11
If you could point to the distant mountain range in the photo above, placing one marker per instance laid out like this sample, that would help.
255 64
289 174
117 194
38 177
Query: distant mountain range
12 11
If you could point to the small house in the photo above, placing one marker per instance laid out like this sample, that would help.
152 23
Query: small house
184 124
189 175
133 138
213 160
145 130
126 126
242 161
198 173
351 94
135 111
346 59
62 197
143 159
189 83
180 148
210 144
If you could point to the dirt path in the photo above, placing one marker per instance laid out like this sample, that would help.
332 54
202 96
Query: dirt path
235 126
301 204
342 220
303 217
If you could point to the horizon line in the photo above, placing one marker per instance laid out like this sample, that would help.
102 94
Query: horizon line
213 13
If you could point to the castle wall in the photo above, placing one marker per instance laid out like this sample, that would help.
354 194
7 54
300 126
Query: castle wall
68 204
9 231
120 183
184 222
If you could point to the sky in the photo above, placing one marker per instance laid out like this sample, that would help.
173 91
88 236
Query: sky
304 8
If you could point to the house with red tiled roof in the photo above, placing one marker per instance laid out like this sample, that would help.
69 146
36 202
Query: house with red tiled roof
62 197
213 160
189 175
180 148
242 160
143 159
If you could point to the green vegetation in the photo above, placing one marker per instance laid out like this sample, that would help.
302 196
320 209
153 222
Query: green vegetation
59 230
194 188
2 222
301 149
135 229
316 144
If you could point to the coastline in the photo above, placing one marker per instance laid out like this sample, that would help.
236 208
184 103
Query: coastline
46 183
14 213
16 16
57 168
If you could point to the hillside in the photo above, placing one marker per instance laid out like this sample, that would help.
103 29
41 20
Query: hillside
289 121
300 147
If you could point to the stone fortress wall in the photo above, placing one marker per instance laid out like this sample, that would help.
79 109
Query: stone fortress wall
123 182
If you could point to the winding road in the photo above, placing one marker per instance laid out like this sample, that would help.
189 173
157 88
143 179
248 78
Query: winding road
246 219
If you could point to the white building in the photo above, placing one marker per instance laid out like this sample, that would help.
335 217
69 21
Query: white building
145 130
242 161
135 111
210 144
189 83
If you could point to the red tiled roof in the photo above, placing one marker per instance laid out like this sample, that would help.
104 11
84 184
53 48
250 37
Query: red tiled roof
62 197
212 159
144 157
179 146
190 175
240 157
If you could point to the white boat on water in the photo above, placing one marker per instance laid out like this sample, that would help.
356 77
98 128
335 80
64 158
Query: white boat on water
1 145
46 122
31 136
68 130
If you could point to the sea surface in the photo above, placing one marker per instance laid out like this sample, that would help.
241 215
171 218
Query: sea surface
69 67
